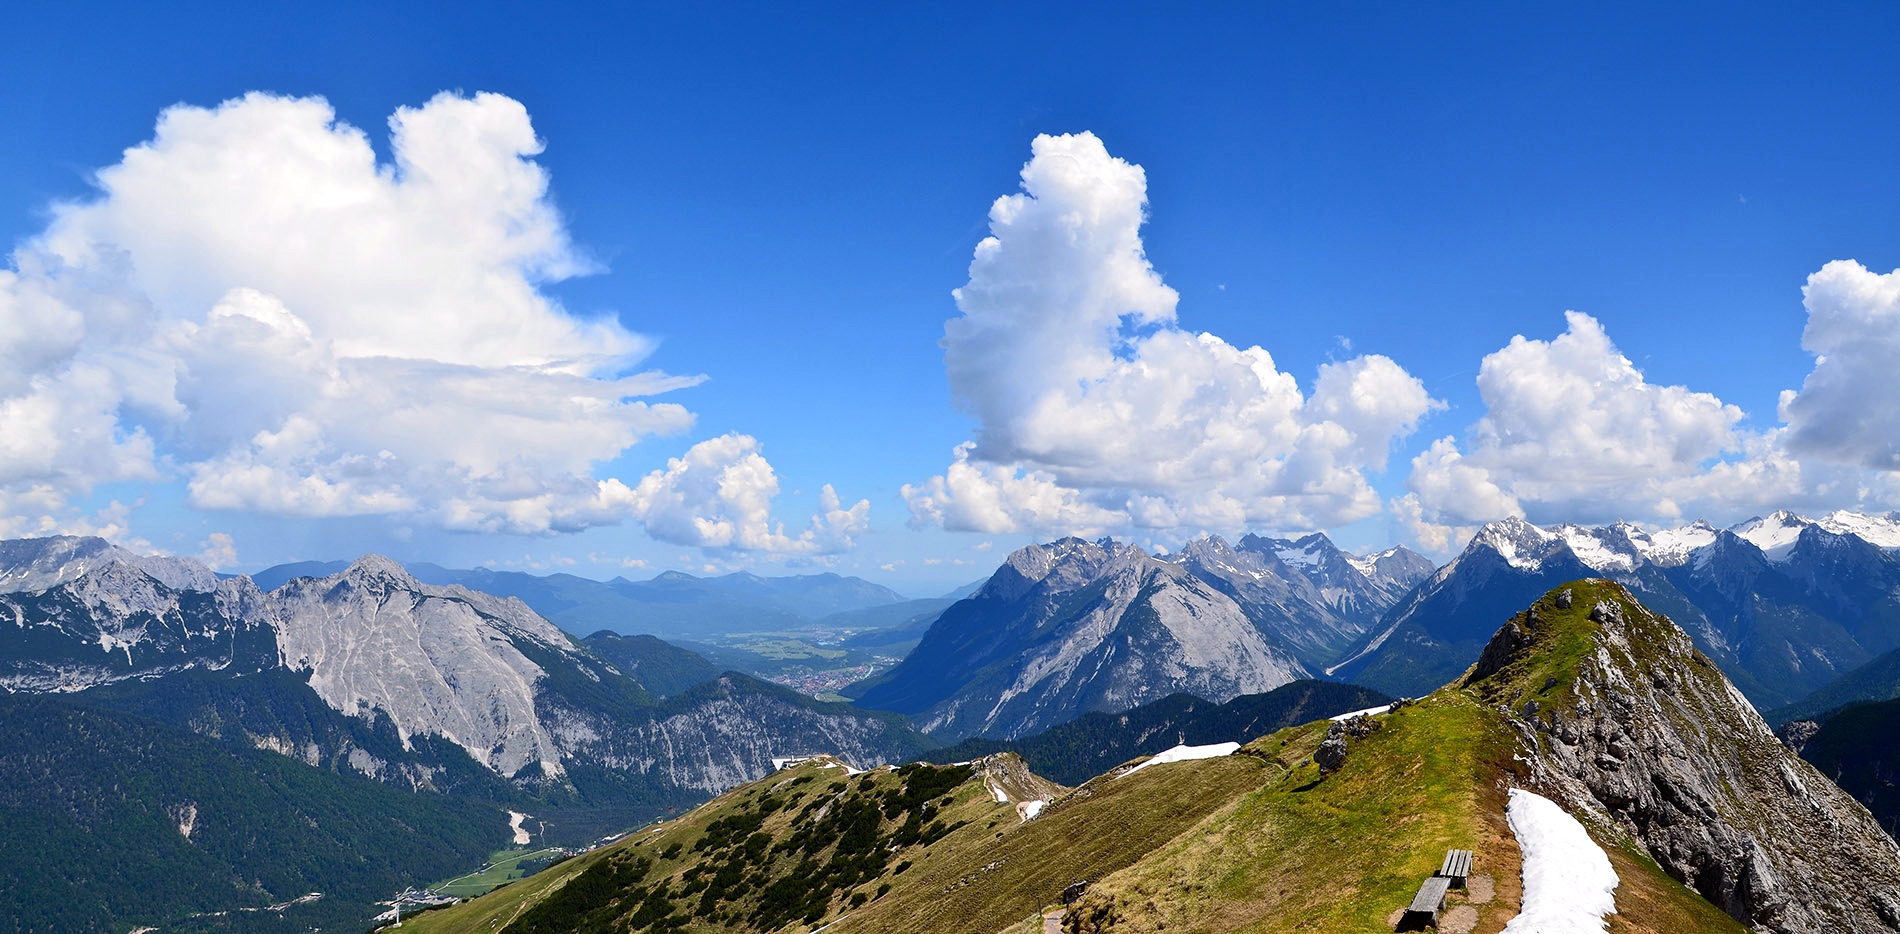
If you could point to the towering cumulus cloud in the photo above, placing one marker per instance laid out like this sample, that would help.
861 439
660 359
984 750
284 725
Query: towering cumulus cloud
1848 408
1096 410
253 304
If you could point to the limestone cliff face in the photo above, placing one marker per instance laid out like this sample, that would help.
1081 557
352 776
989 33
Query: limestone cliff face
1641 728
438 660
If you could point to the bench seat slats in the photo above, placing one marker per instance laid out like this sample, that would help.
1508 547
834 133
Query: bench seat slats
1431 895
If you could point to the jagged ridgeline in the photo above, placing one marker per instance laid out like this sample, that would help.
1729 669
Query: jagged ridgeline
1586 698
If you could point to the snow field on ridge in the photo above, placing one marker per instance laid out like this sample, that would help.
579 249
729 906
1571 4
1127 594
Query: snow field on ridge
1569 885
1185 753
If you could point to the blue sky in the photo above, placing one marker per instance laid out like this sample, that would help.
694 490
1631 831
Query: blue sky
783 202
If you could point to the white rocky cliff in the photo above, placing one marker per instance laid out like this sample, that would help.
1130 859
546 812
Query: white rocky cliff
437 660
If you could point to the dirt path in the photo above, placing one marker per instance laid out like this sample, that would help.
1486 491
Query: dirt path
1052 922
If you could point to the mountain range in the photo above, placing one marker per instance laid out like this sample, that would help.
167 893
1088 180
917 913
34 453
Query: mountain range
671 605
368 673
191 705
1585 699
1784 604
1076 626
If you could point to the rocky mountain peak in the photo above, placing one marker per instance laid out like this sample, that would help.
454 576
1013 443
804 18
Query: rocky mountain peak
1518 542
1636 725
31 565
374 570
1060 566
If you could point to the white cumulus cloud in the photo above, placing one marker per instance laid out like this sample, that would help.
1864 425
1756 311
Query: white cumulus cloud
719 495
256 305
1096 410
1573 431
1846 410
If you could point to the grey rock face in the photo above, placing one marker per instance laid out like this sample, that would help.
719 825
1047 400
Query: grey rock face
30 565
85 613
1115 633
725 733
436 659
1654 737
1074 626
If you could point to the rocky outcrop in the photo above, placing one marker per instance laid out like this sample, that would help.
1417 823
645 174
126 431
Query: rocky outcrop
1639 727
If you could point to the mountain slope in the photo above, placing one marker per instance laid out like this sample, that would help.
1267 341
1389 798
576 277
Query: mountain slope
659 666
1856 746
451 699
86 613
1878 680
110 820
1637 725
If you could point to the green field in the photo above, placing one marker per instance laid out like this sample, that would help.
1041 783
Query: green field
502 868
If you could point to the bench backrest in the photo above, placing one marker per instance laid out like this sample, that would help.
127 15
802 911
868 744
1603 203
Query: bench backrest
1457 864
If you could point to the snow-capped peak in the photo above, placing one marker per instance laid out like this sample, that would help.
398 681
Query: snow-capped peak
1308 552
1882 531
1607 549
1671 547
1518 542
1775 535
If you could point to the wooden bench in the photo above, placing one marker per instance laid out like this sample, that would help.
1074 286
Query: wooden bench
1425 907
1457 867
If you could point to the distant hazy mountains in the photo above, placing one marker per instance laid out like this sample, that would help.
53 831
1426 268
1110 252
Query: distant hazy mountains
368 673
673 605
1785 605
1076 626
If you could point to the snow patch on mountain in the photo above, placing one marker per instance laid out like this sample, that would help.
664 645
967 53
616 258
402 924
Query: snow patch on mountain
1569 884
1775 536
1597 548
1672 547
1882 530
1185 753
